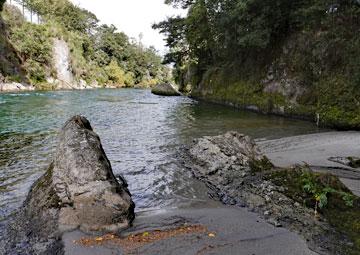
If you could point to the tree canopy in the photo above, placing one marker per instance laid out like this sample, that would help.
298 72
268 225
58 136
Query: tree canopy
224 30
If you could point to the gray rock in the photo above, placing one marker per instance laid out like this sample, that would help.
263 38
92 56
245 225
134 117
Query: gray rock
165 89
224 153
78 191
212 160
15 86
353 162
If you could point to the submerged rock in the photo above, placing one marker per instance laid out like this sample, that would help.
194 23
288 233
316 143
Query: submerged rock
79 190
165 89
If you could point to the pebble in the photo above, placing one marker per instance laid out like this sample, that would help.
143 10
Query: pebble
267 198
267 213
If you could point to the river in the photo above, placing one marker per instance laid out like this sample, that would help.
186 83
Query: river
140 132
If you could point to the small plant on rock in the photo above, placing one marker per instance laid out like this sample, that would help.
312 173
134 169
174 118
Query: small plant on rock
321 192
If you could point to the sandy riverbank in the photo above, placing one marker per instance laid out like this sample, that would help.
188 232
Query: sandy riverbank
316 150
236 230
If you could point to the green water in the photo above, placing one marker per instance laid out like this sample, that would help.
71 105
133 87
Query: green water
141 134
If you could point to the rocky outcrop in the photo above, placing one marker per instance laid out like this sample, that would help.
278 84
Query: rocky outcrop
236 172
165 89
79 190
220 155
14 86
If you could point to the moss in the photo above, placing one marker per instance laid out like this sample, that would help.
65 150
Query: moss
262 165
221 86
43 191
334 99
347 221
343 217
321 64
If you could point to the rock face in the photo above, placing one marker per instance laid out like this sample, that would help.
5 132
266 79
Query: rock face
15 86
165 89
79 190
225 163
61 55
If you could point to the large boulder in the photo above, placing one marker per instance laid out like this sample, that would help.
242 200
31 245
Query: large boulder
165 89
78 191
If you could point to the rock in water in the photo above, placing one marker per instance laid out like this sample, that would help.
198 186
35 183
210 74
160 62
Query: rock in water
224 154
165 89
79 190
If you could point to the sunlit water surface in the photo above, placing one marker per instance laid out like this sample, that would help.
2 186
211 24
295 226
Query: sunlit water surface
140 132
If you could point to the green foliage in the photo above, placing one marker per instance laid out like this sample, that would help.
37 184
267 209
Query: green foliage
23 39
312 42
117 75
262 165
36 71
99 54
324 192
308 187
320 192
36 57
64 12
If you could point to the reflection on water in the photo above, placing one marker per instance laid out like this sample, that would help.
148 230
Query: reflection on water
141 134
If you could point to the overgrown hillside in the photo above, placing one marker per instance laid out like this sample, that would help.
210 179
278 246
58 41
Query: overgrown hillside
99 55
297 58
11 68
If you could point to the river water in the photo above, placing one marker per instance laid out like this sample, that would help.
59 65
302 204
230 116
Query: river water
140 132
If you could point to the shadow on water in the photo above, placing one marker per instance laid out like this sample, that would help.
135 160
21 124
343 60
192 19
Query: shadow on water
141 134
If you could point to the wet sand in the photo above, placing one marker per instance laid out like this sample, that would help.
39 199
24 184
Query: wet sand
236 231
315 150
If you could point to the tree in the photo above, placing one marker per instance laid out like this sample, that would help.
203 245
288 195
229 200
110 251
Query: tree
2 2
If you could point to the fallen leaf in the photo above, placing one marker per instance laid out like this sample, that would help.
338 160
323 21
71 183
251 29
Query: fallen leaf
211 235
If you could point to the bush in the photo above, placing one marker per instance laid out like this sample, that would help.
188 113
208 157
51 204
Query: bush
32 42
115 73
36 71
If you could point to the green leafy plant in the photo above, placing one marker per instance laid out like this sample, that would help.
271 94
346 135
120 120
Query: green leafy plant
320 193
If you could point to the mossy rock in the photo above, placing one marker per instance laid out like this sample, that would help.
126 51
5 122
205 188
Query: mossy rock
262 165
343 217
